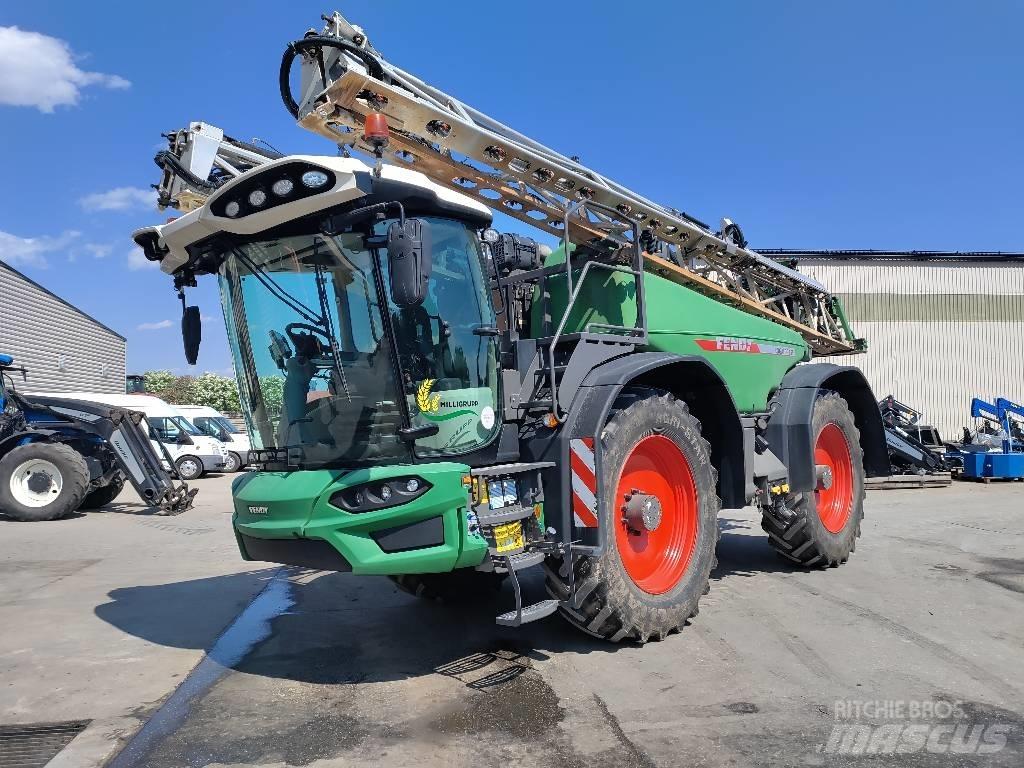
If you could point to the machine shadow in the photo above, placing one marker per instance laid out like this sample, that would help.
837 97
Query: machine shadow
743 551
343 629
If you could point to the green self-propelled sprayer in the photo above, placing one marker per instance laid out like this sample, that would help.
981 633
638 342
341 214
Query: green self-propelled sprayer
446 405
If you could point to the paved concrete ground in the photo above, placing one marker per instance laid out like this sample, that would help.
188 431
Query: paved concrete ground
103 614
106 614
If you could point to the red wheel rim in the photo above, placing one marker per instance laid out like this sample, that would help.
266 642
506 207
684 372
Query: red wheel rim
656 560
836 502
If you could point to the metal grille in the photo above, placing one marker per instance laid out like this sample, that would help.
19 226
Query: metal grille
36 744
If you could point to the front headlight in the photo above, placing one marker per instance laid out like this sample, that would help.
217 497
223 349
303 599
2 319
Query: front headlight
380 494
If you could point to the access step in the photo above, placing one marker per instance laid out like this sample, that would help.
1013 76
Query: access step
510 469
504 515
525 560
534 612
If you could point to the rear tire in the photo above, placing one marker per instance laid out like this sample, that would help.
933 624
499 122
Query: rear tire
649 580
42 481
189 468
824 529
462 586
103 496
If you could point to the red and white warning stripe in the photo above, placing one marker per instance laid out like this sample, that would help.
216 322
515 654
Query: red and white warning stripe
584 482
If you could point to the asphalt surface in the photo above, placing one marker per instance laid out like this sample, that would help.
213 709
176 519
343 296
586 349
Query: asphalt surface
105 616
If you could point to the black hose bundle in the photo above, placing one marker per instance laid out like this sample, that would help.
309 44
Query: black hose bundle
314 42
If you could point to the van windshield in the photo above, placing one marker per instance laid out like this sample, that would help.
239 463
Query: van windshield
171 427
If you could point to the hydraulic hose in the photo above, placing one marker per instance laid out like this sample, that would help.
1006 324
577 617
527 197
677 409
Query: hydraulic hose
164 159
373 66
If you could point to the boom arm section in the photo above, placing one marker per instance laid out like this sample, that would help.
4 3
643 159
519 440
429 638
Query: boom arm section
198 160
344 79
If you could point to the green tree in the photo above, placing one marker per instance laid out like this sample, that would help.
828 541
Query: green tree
220 392
272 388
158 382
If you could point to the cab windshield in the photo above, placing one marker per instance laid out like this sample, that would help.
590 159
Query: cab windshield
330 369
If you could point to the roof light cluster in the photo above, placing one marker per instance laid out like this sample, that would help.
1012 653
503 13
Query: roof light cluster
276 186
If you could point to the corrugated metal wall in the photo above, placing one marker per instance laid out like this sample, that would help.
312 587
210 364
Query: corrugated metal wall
63 349
939 333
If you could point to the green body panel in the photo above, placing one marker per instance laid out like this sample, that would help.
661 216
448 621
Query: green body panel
298 506
750 353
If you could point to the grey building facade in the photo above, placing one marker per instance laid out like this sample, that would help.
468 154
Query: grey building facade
63 348
941 327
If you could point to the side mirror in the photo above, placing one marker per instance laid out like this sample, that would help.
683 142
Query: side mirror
183 439
191 333
409 261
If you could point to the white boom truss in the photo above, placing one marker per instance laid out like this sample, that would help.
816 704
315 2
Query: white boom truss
344 79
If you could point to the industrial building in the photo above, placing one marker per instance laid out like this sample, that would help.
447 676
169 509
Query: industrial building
63 348
941 327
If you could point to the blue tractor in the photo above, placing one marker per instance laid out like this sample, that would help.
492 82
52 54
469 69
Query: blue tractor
60 455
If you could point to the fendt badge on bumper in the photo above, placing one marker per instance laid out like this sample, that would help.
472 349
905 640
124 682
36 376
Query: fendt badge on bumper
259 510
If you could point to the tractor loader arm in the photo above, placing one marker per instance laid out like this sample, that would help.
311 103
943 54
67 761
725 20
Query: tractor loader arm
124 430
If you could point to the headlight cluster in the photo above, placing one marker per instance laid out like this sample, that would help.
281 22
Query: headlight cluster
282 184
380 494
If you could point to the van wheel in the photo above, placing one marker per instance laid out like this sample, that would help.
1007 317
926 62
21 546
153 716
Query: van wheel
189 468
233 463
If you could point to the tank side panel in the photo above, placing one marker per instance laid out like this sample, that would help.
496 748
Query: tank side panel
751 354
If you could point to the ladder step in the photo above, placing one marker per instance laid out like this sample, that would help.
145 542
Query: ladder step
526 560
503 515
511 469
530 613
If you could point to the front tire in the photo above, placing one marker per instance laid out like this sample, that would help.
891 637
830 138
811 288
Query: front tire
189 468
42 481
656 566
826 522
103 496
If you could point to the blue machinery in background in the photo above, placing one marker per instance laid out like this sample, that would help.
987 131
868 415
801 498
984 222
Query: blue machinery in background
1008 462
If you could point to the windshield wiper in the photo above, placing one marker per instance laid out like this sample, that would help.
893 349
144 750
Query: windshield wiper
277 291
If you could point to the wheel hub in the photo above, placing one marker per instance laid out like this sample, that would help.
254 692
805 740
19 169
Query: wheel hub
657 532
824 474
39 482
833 464
36 483
641 512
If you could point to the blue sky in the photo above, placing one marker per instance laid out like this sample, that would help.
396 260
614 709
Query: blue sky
813 125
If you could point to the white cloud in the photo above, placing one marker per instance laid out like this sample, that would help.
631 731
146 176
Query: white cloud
119 199
40 71
31 251
160 324
98 250
137 260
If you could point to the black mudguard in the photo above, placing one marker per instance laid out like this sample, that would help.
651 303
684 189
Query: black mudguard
789 429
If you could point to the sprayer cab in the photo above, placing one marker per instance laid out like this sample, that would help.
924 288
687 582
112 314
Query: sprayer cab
354 303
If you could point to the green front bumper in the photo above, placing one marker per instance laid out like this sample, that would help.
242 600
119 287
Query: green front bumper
291 512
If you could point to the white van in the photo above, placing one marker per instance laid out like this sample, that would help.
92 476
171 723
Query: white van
193 453
212 422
